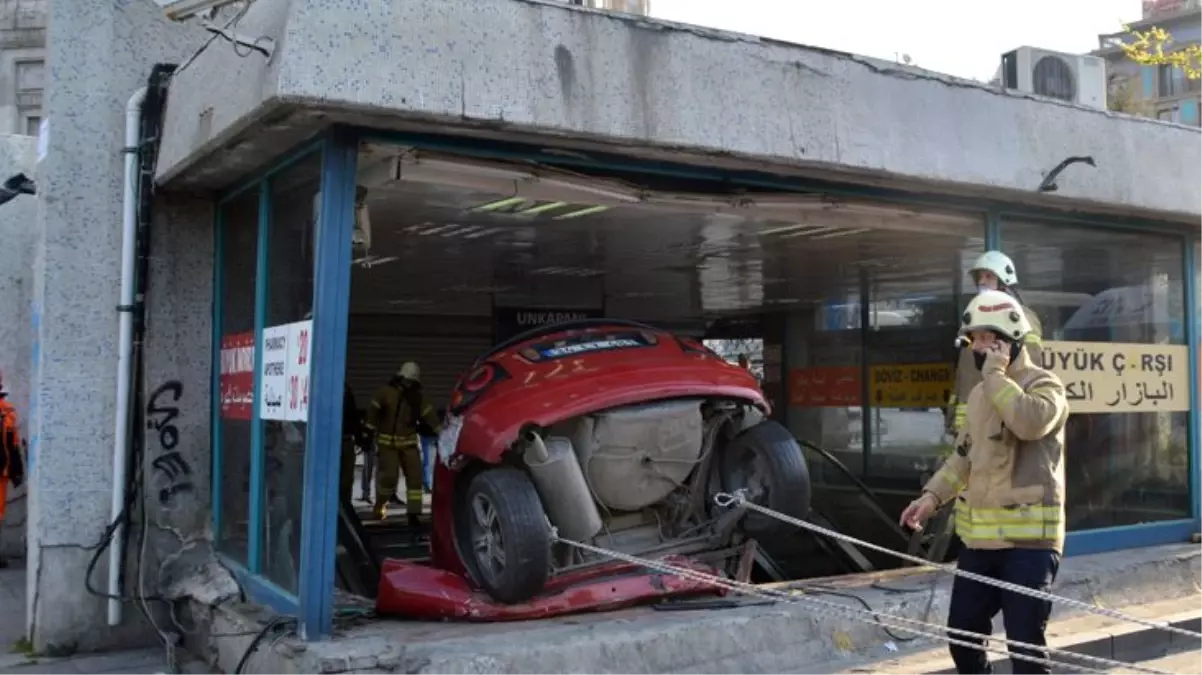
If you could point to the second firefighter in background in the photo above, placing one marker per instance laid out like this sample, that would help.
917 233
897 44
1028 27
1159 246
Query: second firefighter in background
397 415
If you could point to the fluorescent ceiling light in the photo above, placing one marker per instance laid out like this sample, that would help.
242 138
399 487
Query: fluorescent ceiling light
843 233
582 212
809 233
784 228
499 178
542 208
568 271
497 205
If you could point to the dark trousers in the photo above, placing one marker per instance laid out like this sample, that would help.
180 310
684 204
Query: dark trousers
974 604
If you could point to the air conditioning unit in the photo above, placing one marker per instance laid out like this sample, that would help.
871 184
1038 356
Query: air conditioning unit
1076 78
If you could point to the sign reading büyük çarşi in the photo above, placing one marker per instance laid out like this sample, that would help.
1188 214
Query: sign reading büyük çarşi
1112 377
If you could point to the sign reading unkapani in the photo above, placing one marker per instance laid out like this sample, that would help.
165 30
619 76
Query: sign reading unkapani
1115 377
511 321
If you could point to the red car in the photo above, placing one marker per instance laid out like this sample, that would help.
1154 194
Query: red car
616 434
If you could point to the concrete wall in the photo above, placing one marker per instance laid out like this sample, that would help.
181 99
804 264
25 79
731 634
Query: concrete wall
18 220
178 386
102 52
511 67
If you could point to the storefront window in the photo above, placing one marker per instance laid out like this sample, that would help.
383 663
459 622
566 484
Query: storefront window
1112 309
286 347
913 317
239 238
870 367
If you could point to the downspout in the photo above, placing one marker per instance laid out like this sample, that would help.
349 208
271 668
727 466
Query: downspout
125 314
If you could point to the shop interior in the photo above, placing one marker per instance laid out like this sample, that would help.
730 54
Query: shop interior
452 255
828 296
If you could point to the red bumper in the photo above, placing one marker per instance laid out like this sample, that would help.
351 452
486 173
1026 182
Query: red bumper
421 592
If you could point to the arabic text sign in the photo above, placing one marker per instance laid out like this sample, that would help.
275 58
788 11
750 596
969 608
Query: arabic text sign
918 385
273 382
237 380
1105 377
825 387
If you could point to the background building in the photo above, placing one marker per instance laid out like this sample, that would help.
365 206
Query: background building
22 64
1162 92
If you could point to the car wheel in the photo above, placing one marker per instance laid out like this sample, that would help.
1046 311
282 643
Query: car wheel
766 462
506 542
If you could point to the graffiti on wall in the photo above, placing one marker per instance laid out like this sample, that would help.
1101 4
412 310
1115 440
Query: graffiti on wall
161 414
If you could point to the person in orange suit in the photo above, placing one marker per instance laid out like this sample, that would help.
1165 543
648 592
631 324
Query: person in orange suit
12 467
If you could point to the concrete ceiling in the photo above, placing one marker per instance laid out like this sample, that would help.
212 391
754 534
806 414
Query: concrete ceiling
454 238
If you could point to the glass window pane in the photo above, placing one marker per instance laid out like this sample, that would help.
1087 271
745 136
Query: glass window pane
239 245
913 316
289 306
1113 305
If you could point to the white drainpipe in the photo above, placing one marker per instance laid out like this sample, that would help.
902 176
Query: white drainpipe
129 233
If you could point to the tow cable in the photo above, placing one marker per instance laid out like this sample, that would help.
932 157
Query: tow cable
881 619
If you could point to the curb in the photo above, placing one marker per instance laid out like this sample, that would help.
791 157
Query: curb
1085 635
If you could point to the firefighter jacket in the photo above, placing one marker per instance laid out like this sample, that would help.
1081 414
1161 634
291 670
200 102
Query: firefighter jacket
1007 471
397 414
967 376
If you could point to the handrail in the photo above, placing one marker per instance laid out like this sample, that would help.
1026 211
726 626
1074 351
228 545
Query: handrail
873 501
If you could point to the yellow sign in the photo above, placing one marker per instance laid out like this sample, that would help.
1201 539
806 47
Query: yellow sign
1114 377
919 385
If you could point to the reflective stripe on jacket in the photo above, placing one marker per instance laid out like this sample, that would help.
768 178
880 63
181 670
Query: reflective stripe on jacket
1008 467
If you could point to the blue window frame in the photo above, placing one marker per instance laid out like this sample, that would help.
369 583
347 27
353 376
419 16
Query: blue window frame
311 602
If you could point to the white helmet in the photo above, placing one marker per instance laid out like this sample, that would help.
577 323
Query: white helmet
999 263
410 371
996 311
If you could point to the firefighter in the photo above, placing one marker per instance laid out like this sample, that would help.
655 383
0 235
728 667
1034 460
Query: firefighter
12 466
396 416
992 271
1007 477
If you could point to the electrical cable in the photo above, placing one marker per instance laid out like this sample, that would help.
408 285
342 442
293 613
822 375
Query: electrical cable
277 622
819 589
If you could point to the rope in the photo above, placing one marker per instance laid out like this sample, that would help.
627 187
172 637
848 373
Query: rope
724 499
877 618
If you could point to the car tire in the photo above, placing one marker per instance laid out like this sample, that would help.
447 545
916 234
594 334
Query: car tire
505 541
779 478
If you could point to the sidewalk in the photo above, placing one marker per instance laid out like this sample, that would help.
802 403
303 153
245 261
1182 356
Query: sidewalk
15 659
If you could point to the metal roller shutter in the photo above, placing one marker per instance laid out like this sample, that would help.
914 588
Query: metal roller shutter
373 358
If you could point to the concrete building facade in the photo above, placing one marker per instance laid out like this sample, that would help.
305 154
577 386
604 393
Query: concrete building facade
253 153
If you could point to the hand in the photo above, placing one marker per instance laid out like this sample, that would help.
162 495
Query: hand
998 355
918 511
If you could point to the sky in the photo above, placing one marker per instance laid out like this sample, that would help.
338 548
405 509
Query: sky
965 38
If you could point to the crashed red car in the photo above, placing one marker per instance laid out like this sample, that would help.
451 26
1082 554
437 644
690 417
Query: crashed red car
614 433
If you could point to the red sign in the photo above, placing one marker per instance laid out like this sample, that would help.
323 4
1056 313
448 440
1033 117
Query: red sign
825 387
237 379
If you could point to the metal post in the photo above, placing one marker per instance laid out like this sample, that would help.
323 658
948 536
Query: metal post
866 406
1193 336
215 411
258 454
331 306
993 231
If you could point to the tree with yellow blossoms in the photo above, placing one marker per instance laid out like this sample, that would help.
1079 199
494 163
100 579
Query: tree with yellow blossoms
1154 47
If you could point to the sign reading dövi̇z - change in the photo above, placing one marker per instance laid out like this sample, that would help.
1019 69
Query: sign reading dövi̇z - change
1104 377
